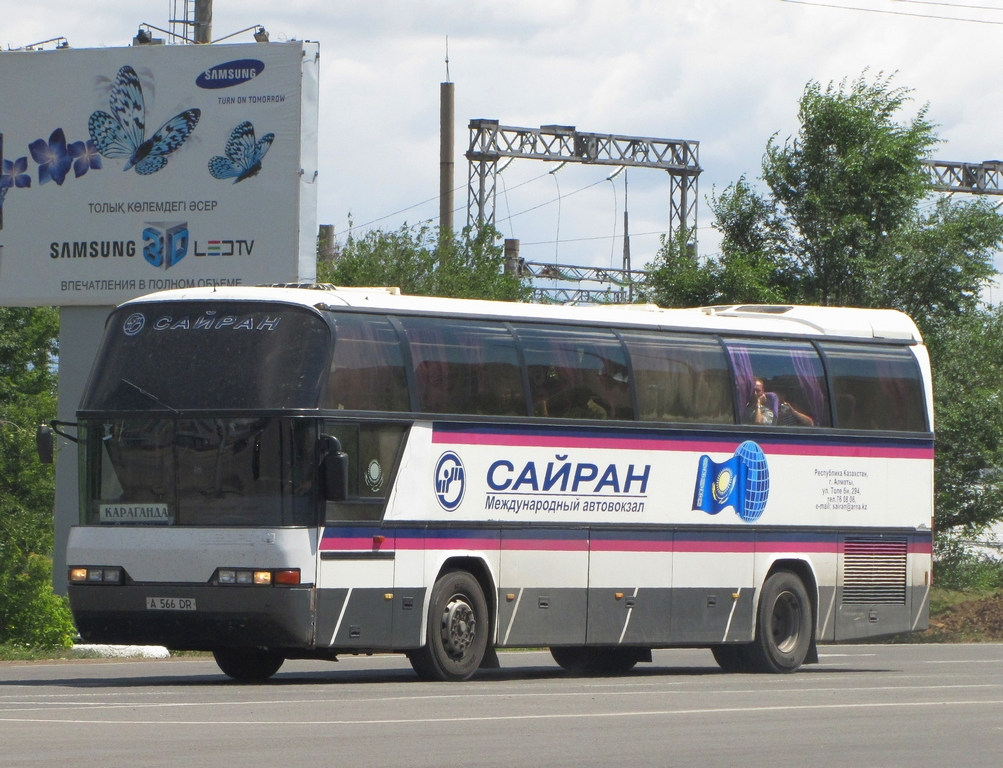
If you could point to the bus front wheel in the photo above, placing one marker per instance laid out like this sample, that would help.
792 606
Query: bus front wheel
457 630
783 625
247 665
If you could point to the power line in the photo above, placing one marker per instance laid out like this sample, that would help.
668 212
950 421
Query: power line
891 13
436 198
952 5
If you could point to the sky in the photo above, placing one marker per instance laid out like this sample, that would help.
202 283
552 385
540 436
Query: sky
725 73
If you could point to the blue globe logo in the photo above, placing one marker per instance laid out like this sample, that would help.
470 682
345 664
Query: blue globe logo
133 324
757 481
450 481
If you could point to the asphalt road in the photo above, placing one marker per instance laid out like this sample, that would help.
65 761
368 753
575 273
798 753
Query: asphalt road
863 705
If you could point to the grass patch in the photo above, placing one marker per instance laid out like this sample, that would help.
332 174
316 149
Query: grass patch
15 652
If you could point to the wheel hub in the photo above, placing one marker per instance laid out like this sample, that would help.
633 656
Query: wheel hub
459 626
786 622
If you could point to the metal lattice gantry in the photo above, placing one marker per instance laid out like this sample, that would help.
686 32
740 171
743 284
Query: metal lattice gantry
490 142
974 178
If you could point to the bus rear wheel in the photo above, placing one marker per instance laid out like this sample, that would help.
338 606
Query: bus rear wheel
458 627
783 625
247 665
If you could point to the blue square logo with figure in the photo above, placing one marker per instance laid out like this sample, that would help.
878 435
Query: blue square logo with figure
449 481
165 243
741 482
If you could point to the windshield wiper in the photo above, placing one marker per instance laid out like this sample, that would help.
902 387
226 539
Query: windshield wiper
149 395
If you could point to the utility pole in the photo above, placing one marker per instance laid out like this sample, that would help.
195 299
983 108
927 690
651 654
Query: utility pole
203 21
626 241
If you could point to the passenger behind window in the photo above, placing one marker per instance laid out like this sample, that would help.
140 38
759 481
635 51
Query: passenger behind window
762 405
789 416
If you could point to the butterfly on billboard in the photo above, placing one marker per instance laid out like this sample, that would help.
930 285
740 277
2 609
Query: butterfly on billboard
243 154
123 132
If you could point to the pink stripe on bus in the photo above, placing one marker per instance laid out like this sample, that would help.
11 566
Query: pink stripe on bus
607 442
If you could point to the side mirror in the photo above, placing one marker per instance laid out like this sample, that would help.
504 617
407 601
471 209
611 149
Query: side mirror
333 468
44 443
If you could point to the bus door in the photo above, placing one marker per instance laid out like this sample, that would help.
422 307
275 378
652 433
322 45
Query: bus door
355 571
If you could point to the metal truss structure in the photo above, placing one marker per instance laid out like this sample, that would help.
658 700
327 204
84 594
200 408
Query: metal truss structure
973 178
620 283
490 142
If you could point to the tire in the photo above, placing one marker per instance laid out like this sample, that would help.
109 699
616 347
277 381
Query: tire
596 660
783 625
458 629
732 658
248 665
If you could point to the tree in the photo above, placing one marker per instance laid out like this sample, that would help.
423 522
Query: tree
844 220
677 278
968 389
419 262
29 611
848 185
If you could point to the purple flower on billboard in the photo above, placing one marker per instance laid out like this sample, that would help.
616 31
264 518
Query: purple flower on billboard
52 157
85 156
15 174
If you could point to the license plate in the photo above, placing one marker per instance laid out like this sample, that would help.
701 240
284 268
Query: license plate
170 603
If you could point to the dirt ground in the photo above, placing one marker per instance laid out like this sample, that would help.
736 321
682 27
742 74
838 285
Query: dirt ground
972 621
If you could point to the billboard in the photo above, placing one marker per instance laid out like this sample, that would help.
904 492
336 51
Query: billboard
128 170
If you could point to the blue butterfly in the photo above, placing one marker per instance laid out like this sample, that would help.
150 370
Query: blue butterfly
123 132
243 154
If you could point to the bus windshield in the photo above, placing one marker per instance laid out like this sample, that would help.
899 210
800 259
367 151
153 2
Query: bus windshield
188 355
198 472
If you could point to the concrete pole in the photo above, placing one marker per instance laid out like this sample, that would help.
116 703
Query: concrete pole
203 21
445 160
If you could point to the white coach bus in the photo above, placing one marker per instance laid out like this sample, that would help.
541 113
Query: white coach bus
304 472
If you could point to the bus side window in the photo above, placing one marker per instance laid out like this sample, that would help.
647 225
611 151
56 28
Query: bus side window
465 366
680 378
373 451
875 387
367 368
793 382
576 373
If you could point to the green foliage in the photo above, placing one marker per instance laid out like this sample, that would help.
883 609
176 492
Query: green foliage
940 264
958 568
847 184
419 262
676 279
967 381
29 612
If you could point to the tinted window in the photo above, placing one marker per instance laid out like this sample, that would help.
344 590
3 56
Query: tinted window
680 378
779 383
367 370
876 387
205 471
197 355
373 449
576 373
465 366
